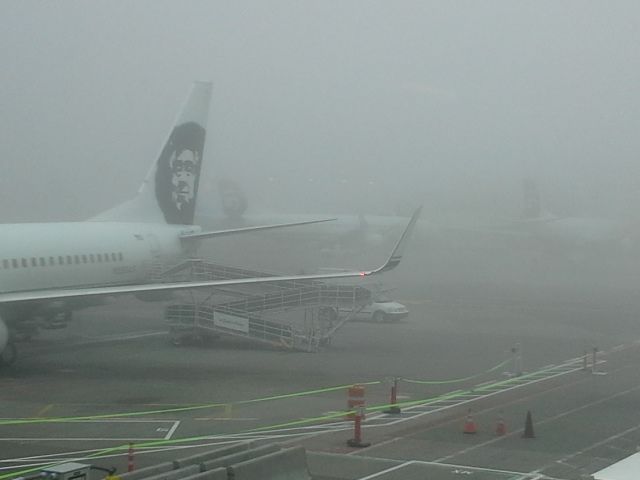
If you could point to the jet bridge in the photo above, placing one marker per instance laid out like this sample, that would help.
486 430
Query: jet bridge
293 314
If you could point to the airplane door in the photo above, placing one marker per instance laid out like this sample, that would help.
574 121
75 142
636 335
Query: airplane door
154 248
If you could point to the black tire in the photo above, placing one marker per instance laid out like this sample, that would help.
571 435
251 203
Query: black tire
9 355
208 339
379 316
175 338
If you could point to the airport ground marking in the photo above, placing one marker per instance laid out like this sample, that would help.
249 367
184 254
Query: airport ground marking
458 380
75 439
416 403
122 448
172 430
597 444
119 337
387 470
379 444
521 475
44 410
545 421
18 421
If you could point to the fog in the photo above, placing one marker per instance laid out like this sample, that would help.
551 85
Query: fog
370 108
326 106
338 107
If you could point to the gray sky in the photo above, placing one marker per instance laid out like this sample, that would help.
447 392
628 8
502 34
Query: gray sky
344 105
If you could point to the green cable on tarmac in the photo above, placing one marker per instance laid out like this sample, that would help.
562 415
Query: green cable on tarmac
20 421
332 416
457 380
178 441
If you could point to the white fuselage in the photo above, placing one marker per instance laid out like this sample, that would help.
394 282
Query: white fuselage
35 256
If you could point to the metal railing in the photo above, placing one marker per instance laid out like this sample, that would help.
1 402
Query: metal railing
324 306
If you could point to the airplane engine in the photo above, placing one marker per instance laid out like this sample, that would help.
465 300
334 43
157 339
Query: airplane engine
7 348
234 200
4 336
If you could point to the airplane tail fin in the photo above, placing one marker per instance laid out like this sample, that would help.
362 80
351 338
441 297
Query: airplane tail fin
168 193
233 199
531 200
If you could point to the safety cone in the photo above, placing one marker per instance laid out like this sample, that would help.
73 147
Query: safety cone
501 427
356 441
528 427
470 427
393 401
130 465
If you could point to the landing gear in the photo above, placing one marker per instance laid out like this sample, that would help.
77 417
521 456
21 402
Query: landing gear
179 337
8 355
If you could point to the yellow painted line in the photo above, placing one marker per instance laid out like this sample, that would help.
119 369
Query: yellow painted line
44 410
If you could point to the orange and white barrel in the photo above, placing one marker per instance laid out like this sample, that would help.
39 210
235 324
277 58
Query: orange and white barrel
355 399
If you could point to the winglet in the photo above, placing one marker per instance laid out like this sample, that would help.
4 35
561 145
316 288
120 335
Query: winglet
396 255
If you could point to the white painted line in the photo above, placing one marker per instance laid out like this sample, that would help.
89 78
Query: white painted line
542 422
386 442
172 430
28 465
387 470
31 421
483 469
77 439
491 394
118 337
80 455
597 444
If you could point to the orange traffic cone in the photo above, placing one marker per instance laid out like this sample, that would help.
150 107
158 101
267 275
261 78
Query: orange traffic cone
470 425
501 427
528 427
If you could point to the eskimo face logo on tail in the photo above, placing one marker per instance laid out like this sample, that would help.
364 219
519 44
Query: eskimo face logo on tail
178 172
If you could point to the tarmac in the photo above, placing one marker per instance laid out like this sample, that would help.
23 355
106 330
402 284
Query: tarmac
86 392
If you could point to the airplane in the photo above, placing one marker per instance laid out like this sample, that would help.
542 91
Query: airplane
576 237
576 232
536 229
50 269
345 234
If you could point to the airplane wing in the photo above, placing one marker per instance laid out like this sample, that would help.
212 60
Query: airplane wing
259 228
64 293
